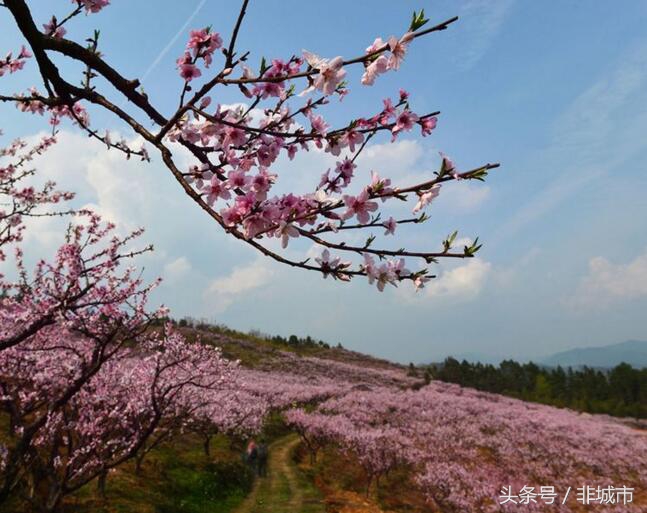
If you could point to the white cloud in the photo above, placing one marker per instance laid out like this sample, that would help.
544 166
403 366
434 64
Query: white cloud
223 292
397 160
461 197
608 283
177 269
463 282
116 188
460 284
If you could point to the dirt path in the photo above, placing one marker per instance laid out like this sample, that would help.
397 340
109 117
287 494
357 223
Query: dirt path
285 489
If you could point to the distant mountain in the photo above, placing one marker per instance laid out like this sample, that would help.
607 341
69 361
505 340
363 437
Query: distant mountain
633 352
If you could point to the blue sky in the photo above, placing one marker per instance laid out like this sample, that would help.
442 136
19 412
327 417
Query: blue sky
556 93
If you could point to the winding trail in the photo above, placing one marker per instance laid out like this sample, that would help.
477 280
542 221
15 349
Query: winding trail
285 489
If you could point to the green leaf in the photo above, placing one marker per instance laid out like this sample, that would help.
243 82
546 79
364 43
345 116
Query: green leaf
418 20
443 168
479 174
447 243
471 250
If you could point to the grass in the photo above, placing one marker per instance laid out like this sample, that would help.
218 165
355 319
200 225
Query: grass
175 478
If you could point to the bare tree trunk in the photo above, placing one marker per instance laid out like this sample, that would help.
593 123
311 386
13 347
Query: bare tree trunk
369 481
207 446
101 484
139 460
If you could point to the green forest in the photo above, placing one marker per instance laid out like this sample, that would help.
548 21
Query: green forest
620 391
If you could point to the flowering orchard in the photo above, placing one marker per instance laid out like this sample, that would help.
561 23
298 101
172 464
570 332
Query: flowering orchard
234 149
464 447
87 380
90 378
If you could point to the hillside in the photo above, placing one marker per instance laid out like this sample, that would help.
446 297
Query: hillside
349 433
633 352
255 350
337 457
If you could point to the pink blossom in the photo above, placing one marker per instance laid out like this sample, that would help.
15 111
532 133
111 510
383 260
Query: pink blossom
331 72
204 43
345 169
447 166
319 125
404 121
198 174
331 264
262 183
390 224
237 179
24 53
381 274
388 112
285 231
188 70
427 197
352 138
272 88
359 206
428 124
242 142
13 65
378 44
230 216
420 282
268 152
374 69
215 189
398 49
92 6
244 204
381 186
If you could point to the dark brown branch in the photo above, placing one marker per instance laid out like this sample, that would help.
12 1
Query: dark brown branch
234 36
356 60
380 252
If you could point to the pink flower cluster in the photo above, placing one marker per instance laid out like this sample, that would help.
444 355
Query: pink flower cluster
18 200
270 87
235 150
330 74
92 6
201 46
381 63
10 64
389 272
245 146
53 29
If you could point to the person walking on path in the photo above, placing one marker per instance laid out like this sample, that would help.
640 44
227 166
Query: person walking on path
262 453
251 455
